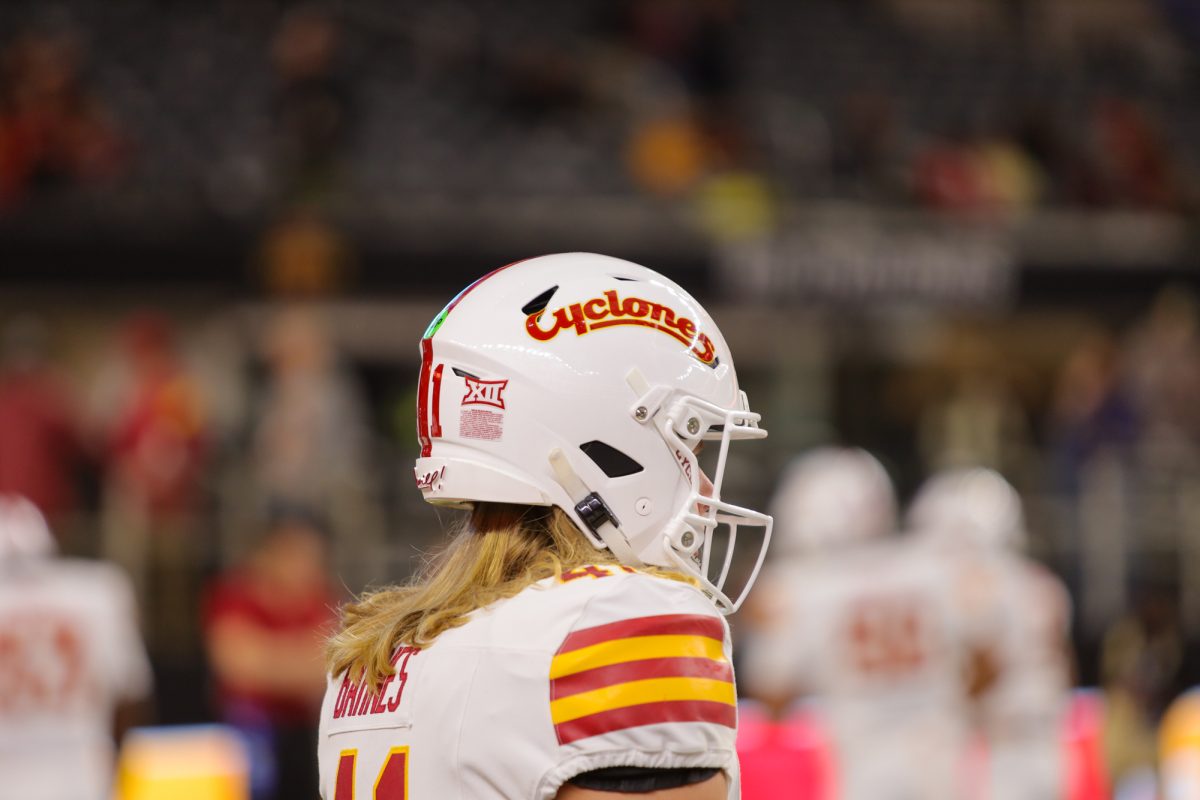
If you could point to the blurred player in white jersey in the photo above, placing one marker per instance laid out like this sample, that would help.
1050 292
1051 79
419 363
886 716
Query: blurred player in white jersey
868 626
570 643
976 515
71 663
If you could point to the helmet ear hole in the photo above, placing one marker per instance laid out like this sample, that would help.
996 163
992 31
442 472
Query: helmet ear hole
609 459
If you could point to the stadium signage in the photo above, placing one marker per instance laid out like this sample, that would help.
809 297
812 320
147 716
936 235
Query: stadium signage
610 310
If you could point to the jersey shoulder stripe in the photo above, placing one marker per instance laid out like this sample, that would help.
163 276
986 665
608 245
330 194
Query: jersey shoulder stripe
641 671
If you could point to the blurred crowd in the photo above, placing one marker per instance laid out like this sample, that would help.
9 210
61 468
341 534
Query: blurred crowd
982 107
218 500
246 479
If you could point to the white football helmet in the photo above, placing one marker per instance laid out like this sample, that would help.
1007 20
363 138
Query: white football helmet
587 382
24 533
832 497
974 507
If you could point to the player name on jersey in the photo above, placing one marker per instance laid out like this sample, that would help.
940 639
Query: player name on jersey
355 699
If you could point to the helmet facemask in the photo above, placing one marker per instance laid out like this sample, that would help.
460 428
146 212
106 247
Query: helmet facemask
700 539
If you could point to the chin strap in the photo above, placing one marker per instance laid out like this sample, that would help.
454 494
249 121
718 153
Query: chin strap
592 509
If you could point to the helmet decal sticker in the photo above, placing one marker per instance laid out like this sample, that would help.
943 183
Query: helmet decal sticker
478 423
423 432
484 393
431 480
610 310
476 418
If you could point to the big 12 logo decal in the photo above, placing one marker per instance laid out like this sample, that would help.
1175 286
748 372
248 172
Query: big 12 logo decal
610 310
484 393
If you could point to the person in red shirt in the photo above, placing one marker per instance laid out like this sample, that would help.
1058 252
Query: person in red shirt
40 446
265 624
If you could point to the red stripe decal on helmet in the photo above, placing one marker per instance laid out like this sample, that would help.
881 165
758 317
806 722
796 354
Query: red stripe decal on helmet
423 398
435 415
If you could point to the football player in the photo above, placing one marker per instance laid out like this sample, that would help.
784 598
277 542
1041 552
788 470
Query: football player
72 663
867 626
977 513
570 642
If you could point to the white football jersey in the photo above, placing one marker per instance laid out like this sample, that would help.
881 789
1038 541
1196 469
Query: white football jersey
1022 713
879 636
604 667
70 650
1032 647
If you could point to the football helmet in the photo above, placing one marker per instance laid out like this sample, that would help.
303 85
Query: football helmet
973 506
586 382
831 497
24 533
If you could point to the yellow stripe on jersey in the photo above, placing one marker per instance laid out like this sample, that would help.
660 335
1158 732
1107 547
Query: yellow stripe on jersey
636 648
634 693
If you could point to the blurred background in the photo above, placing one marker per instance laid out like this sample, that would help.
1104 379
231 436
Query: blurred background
953 232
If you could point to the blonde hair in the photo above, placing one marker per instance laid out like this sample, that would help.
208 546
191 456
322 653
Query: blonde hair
500 551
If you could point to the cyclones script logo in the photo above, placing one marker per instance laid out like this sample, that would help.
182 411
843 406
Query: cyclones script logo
610 310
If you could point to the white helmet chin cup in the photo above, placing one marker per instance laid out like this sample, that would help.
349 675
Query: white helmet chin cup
586 382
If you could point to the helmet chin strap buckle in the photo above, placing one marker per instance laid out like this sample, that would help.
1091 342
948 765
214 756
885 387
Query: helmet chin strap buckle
592 510
595 512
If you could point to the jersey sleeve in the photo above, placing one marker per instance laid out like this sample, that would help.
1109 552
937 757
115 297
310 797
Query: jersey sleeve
130 674
643 678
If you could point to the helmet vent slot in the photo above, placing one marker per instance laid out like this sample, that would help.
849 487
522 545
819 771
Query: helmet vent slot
624 278
609 459
539 303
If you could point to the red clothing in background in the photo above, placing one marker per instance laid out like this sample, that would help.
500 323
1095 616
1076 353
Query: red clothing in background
237 597
39 446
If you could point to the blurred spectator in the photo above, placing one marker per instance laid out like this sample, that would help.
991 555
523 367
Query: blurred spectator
314 107
1134 158
1162 359
310 435
157 441
40 445
541 82
976 172
53 131
868 150
668 156
265 623
303 255
979 424
1090 413
946 176
1141 659
1069 176
156 459
693 39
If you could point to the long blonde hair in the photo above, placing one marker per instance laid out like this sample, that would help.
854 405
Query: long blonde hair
500 551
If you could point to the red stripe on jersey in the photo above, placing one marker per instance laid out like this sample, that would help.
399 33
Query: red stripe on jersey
423 398
639 670
647 714
662 625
